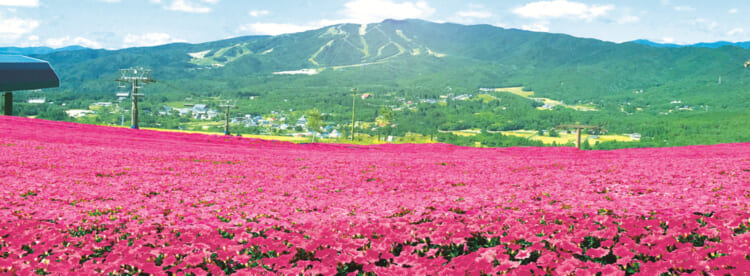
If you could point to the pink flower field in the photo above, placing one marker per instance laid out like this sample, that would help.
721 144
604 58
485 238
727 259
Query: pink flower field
79 199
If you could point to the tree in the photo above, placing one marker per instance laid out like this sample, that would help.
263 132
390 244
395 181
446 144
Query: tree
384 120
314 121
553 133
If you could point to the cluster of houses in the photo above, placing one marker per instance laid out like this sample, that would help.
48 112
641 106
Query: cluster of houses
298 128
198 112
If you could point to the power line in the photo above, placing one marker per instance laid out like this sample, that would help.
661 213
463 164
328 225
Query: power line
134 76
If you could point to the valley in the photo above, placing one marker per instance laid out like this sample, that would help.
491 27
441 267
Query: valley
436 79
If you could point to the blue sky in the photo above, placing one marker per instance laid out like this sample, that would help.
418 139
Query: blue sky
115 24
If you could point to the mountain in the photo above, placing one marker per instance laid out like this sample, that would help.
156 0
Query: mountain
410 53
36 50
634 87
712 45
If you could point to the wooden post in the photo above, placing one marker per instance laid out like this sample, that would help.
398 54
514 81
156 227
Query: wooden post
8 111
578 131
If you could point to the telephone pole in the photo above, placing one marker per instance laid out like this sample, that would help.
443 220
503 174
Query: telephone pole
135 76
354 99
228 105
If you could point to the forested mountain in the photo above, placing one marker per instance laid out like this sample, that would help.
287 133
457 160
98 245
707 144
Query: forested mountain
633 87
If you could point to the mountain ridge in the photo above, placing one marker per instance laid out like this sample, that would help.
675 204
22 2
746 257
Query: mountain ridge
37 50
711 45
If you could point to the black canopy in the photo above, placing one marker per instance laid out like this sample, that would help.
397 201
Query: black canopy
25 73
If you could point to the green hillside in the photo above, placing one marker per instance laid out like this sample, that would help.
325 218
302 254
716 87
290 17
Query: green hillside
672 96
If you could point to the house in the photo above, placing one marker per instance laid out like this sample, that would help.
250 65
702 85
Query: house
211 114
302 121
102 104
78 113
635 136
462 97
185 111
99 105
365 96
334 134
165 110
283 126
37 100
200 108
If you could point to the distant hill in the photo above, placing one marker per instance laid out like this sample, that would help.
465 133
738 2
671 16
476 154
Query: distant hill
36 50
711 45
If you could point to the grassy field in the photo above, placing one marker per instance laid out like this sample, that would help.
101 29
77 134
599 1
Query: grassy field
530 95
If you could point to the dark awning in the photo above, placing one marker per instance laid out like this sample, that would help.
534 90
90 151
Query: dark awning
25 73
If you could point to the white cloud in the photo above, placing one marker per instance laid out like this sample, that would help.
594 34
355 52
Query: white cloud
735 31
356 11
20 3
628 19
190 6
369 11
257 13
276 28
474 14
562 9
149 39
13 28
705 24
667 40
110 1
536 27
733 11
68 41
684 8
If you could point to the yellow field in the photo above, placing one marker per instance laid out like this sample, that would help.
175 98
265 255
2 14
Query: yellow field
264 137
516 90
529 94
566 138
466 132
485 98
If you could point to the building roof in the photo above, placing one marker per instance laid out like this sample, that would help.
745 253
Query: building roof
25 73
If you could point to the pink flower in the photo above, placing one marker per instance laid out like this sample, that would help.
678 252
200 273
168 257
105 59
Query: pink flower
596 252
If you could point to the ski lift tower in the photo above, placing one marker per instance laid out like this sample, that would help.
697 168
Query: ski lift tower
134 77
24 73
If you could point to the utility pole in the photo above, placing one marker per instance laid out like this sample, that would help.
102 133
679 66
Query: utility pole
134 76
578 129
354 99
226 123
